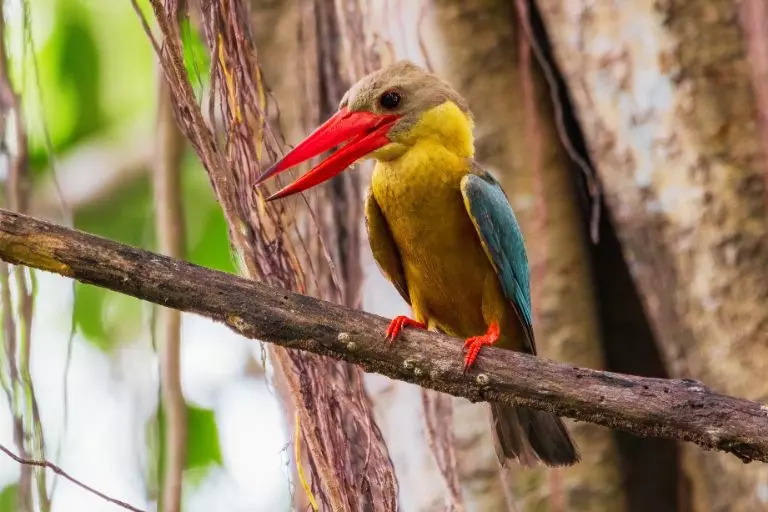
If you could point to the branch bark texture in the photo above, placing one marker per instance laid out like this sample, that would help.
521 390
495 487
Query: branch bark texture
668 408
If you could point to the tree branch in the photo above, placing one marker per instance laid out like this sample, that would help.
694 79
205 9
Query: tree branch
56 469
673 409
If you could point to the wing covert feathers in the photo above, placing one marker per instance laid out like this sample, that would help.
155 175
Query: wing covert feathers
383 246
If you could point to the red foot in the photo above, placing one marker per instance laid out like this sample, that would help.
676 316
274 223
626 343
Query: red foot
397 324
475 343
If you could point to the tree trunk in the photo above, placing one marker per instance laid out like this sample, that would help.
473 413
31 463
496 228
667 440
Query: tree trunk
664 96
485 55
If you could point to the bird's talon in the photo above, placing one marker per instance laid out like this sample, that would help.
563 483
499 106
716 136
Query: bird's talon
473 345
398 323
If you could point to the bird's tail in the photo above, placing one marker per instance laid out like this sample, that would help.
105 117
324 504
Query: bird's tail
529 436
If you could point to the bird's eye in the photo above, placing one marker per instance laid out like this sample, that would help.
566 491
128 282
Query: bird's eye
390 100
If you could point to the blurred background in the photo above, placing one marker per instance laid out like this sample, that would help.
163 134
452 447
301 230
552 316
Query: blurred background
629 136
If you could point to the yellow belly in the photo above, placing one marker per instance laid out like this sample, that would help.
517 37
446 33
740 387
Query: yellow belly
451 282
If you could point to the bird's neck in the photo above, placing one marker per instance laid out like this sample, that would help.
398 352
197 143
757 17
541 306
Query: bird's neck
430 155
442 129
445 125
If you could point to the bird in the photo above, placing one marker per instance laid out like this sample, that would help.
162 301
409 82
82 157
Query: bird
441 230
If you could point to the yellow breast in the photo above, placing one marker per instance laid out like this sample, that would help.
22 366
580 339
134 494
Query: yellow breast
445 267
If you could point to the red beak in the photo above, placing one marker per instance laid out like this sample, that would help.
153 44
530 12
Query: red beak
359 132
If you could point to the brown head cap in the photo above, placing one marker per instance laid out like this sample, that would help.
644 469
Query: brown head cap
414 89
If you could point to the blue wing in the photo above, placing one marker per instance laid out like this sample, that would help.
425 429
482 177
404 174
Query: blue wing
500 234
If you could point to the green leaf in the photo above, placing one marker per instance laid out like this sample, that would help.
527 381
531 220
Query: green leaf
89 303
197 60
9 498
213 249
78 68
203 448
127 60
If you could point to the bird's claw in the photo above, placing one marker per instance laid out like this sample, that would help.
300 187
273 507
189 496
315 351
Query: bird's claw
473 345
398 323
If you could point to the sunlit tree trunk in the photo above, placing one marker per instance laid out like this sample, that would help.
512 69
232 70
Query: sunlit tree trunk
483 51
664 96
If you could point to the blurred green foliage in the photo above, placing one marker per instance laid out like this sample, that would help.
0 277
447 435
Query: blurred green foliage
9 497
70 59
203 448
98 78
95 73
196 58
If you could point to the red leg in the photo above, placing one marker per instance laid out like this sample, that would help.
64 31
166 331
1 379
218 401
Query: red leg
397 324
475 343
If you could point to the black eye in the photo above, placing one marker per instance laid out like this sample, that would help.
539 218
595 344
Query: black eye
390 100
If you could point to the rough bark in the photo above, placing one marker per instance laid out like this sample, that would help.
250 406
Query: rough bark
518 141
664 96
673 409
651 468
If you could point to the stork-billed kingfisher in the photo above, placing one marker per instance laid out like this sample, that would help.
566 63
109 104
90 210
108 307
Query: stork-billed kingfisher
441 229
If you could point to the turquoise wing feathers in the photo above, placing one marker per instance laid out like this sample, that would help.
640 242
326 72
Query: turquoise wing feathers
500 234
